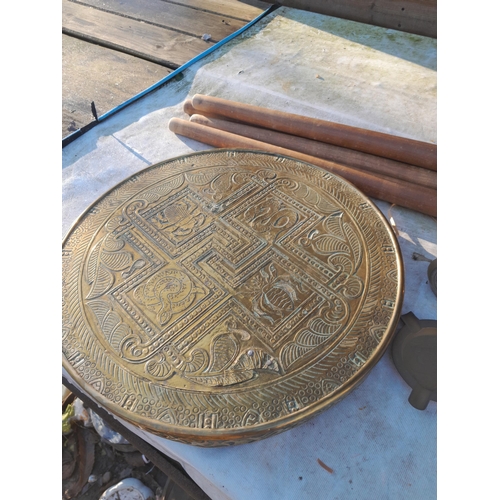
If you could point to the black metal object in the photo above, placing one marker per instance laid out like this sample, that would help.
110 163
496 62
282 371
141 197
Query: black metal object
414 352
94 111
432 275
180 478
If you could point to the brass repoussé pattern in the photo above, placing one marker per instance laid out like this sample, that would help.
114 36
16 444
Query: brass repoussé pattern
224 296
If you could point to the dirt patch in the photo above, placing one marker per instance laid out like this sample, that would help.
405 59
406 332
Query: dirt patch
90 466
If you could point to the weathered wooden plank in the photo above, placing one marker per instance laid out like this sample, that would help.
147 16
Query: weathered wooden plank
94 73
412 16
239 9
172 16
159 45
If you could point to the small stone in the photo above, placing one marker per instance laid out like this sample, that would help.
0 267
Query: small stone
106 477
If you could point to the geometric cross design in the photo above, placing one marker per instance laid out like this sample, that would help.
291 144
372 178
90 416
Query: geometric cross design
227 293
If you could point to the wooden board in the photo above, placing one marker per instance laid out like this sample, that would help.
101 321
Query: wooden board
412 16
94 73
152 43
172 16
115 49
239 9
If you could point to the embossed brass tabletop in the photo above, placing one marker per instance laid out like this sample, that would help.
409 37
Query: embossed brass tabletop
224 296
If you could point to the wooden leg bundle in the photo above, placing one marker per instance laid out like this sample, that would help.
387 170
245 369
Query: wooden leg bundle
397 191
418 153
348 157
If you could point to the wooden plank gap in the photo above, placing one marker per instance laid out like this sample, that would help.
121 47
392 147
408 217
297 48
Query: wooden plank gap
141 19
200 9
119 48
159 45
250 8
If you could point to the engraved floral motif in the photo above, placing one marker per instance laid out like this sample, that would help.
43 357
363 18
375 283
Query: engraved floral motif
274 296
340 242
271 216
231 363
106 258
164 364
111 323
219 183
179 219
308 196
166 293
325 326
344 252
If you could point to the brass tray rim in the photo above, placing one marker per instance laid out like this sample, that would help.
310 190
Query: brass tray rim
220 436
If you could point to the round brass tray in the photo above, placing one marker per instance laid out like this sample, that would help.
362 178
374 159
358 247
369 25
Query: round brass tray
224 296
